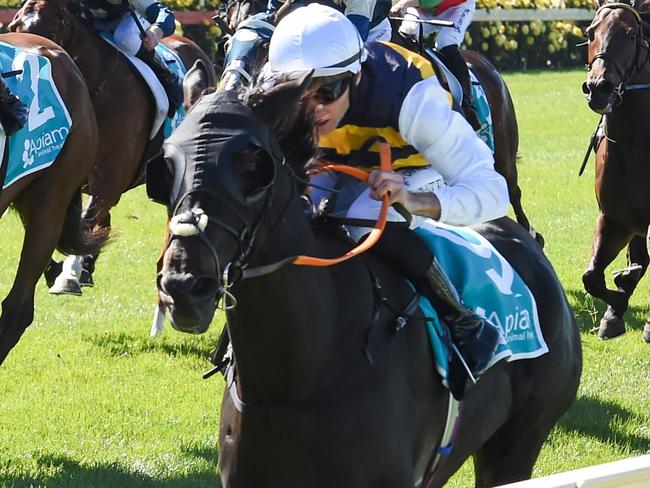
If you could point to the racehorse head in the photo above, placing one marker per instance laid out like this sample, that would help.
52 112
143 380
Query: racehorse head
47 18
227 178
618 50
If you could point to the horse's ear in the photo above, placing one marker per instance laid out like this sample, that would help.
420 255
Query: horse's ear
195 83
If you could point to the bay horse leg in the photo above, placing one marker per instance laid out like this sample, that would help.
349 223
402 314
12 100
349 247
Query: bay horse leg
609 240
637 265
42 212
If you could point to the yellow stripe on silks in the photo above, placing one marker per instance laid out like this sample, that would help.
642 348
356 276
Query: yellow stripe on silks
350 138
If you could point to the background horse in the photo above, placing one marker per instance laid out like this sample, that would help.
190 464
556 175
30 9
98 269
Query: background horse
123 102
504 119
330 390
49 201
618 87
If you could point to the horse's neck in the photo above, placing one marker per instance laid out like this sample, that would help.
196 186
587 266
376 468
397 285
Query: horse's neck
94 57
632 117
630 120
287 327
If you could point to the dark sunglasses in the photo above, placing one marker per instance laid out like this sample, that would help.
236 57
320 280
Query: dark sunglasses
331 91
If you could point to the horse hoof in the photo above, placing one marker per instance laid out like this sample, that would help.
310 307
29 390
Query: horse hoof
646 332
611 326
66 286
53 270
86 279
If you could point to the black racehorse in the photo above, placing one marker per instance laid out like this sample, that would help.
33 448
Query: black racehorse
329 390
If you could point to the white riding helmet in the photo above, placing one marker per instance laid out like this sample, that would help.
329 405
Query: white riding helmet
316 38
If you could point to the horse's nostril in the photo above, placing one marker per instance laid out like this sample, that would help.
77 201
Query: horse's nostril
605 87
585 88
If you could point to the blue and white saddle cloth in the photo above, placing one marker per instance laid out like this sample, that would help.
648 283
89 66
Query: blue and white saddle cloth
175 65
38 143
490 286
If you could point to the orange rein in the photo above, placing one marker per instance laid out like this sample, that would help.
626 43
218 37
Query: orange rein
385 164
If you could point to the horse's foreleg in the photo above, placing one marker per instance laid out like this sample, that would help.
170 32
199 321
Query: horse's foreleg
42 229
609 240
637 264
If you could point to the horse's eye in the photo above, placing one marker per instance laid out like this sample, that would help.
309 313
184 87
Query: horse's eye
590 35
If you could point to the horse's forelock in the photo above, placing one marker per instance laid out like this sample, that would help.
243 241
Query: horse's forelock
286 108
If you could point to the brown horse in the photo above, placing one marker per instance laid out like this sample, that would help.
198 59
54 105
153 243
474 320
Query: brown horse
49 201
334 385
504 119
618 87
122 100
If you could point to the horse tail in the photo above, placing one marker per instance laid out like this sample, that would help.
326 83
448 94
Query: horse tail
77 237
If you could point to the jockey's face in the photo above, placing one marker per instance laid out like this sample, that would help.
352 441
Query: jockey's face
328 115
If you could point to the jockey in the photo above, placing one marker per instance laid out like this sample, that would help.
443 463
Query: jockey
119 17
370 17
13 113
443 170
461 13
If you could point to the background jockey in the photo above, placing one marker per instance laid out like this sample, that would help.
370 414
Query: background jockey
116 16
443 170
370 17
461 13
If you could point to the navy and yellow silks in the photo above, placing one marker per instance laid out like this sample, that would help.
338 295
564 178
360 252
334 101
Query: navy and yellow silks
388 74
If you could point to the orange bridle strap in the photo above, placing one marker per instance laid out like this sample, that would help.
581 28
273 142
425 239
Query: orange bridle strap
385 165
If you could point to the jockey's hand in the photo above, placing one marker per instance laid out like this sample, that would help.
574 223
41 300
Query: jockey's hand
154 35
391 184
400 7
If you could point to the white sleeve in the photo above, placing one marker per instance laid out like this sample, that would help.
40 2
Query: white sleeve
475 192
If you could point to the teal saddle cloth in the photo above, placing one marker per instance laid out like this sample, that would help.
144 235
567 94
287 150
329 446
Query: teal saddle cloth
37 145
175 65
489 285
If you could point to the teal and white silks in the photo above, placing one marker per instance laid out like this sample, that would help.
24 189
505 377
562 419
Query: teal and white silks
36 146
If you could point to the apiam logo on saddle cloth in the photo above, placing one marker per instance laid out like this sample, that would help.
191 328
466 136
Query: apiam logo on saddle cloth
35 146
488 284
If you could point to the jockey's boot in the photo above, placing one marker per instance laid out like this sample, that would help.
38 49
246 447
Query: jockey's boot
170 81
455 62
475 337
13 112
